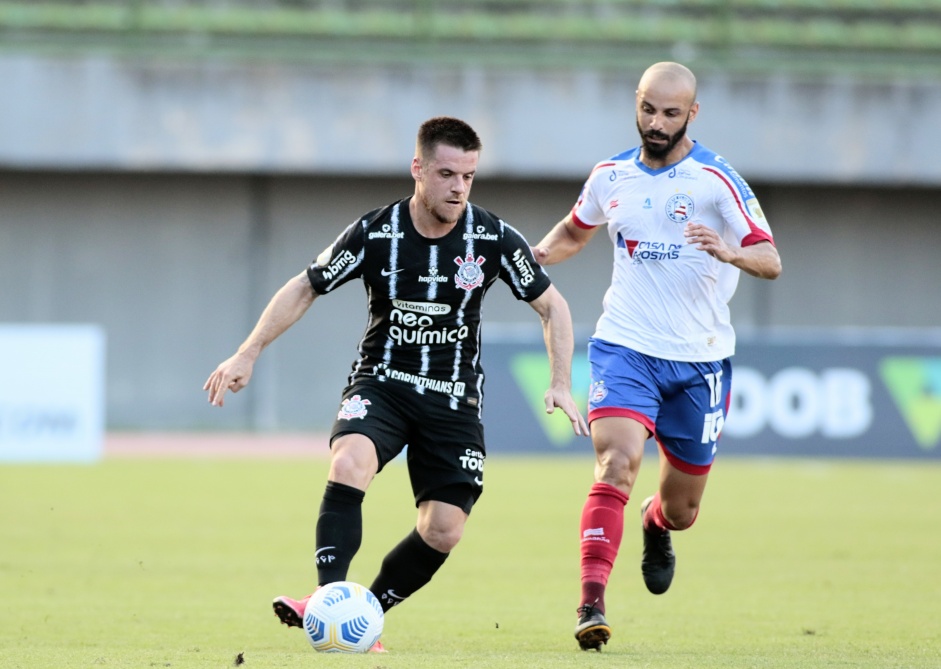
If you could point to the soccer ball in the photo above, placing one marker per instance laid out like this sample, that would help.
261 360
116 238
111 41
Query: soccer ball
343 617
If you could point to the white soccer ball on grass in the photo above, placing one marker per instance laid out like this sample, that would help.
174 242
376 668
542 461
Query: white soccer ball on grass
343 617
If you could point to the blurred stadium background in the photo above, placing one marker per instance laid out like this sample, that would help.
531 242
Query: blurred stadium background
166 166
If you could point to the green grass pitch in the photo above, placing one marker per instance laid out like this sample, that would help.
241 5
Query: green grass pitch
173 563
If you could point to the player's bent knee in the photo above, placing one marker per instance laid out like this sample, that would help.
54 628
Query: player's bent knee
682 523
350 471
441 532
353 461
682 518
442 539
617 467
441 520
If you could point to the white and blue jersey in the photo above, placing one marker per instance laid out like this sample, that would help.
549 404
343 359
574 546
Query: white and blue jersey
668 299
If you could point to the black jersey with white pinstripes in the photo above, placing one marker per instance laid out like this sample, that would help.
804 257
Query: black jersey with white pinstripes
424 295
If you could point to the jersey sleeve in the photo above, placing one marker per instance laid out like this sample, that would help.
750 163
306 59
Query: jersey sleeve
339 262
587 213
518 268
739 206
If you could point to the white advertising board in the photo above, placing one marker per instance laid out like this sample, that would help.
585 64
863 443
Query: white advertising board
52 395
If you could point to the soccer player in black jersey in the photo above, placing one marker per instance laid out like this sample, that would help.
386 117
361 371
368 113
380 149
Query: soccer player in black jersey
426 262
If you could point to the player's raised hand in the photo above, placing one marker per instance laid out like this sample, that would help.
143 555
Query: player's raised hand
233 374
556 397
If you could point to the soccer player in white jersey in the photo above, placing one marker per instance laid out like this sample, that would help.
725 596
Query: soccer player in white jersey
683 224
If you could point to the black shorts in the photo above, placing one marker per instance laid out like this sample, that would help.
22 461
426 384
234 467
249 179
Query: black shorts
445 446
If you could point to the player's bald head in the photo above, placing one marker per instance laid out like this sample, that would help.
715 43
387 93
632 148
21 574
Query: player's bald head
669 78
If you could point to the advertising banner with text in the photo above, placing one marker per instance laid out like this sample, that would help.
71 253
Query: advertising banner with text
52 398
826 398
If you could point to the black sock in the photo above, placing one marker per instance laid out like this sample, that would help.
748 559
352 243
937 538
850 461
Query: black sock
406 568
339 531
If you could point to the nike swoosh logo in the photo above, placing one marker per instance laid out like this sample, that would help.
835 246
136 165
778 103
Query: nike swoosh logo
385 272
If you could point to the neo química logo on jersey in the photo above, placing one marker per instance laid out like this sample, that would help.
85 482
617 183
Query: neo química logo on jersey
915 385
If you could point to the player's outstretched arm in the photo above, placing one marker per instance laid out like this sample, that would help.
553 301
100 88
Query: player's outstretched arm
285 308
560 342
563 241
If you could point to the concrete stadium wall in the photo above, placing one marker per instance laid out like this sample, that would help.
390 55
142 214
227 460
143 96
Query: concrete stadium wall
98 112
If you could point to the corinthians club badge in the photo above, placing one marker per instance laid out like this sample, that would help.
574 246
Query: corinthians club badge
469 275
354 407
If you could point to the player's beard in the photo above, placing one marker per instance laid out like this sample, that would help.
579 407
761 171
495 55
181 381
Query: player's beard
431 206
661 151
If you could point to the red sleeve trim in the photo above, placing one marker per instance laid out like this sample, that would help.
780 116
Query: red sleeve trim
579 222
757 235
